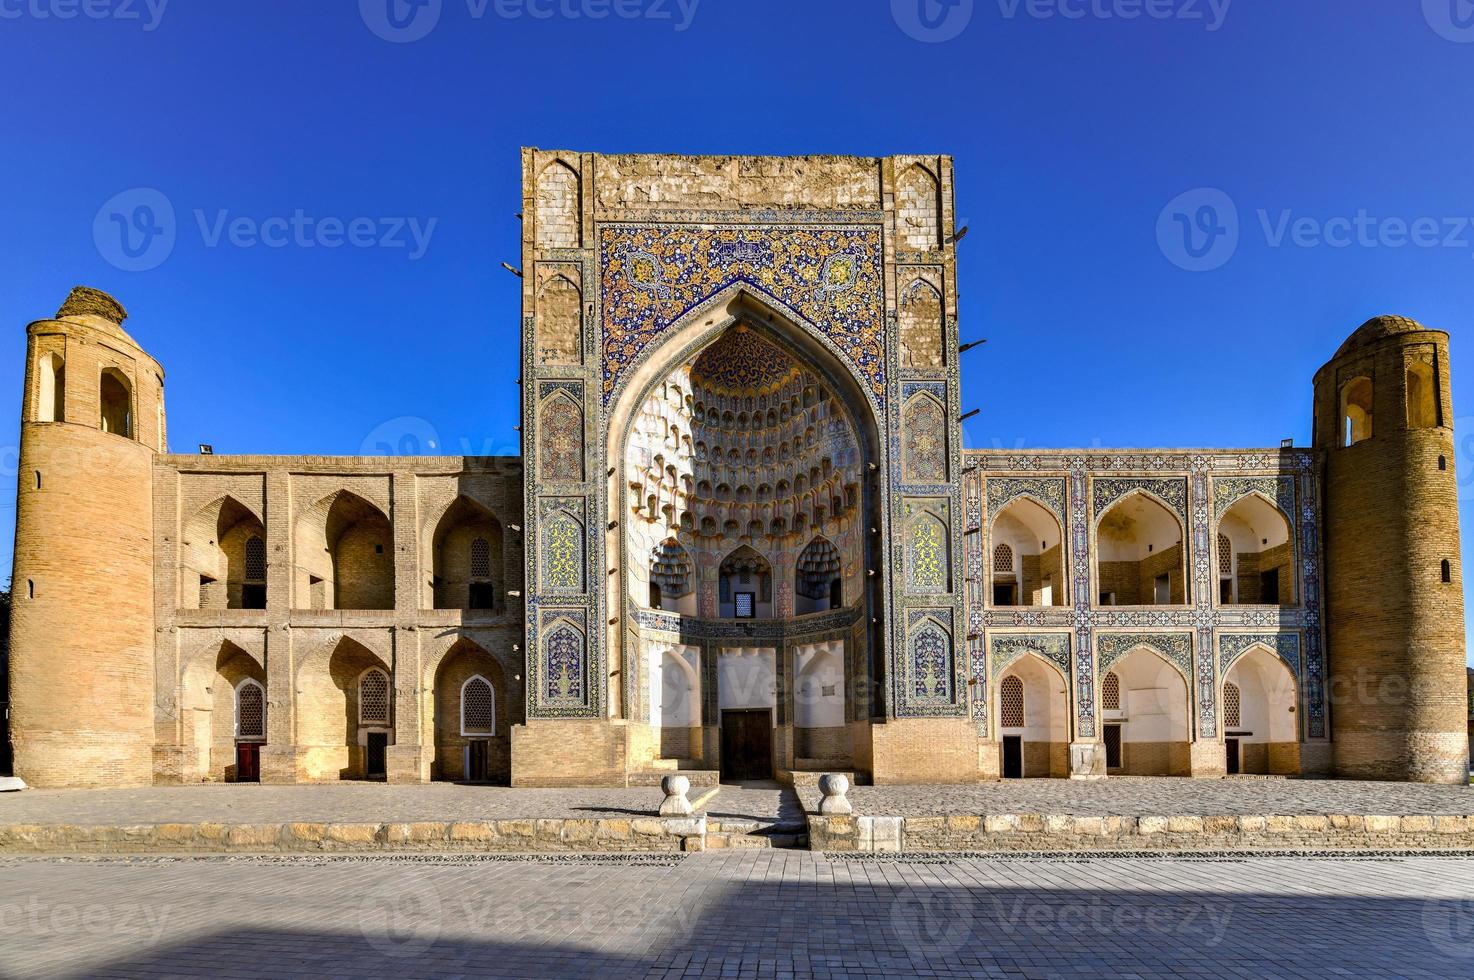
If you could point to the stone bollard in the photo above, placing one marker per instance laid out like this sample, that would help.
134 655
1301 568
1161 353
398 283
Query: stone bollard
676 804
834 786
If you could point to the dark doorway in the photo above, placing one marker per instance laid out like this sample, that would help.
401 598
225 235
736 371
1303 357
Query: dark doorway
476 762
1003 594
482 595
253 595
1269 587
747 744
1234 765
836 593
248 762
1113 746
378 749
1013 757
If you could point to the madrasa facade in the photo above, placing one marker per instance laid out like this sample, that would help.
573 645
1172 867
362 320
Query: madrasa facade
743 540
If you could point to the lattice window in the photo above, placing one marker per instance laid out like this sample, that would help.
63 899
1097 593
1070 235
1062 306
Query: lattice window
478 707
373 698
1003 559
1225 556
255 560
1232 706
1110 692
480 558
1011 700
250 710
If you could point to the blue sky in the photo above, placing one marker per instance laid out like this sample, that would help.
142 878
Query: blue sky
1073 124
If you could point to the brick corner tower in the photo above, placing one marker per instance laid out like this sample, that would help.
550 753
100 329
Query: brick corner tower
1394 598
81 641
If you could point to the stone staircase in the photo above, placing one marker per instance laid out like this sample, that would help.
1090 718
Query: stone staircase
738 834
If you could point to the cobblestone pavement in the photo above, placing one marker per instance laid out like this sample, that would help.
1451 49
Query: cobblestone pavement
751 914
374 802
1130 796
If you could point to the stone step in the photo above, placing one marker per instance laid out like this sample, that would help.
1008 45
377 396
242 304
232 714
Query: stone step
652 777
730 841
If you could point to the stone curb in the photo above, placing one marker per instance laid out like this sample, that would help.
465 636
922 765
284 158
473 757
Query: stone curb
633 834
1164 832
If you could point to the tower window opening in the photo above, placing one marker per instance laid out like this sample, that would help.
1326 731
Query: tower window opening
1356 411
1448 572
116 404
38 479
1443 463
30 589
51 396
1422 396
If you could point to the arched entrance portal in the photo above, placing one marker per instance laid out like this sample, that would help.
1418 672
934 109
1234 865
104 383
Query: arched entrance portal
1259 729
1145 709
1033 720
741 478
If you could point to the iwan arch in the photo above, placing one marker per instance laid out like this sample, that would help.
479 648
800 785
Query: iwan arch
743 537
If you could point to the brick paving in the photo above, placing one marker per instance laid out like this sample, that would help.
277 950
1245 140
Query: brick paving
373 802
1132 796
752 914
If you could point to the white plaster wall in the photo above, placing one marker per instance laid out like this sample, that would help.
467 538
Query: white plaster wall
746 678
819 666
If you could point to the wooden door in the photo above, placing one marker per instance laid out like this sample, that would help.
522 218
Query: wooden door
476 764
747 744
1013 757
1113 746
248 763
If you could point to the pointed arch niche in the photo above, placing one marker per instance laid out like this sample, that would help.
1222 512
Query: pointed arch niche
740 439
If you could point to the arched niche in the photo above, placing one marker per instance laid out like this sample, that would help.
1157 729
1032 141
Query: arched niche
1027 561
1256 554
1140 558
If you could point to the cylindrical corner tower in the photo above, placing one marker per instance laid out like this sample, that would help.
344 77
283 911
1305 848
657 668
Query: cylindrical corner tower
1394 587
81 636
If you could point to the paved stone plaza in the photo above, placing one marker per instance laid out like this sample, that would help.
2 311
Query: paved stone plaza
767 914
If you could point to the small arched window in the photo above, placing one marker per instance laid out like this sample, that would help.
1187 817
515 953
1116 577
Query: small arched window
51 389
1011 701
116 403
373 697
1447 572
1003 559
1110 692
1422 396
250 710
478 707
1232 706
1356 411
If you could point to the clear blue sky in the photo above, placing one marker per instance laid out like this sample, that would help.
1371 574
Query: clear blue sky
1071 135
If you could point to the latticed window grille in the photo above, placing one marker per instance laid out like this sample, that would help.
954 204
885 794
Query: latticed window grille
1003 558
1011 699
250 711
480 558
373 698
478 708
255 560
1110 692
1232 706
1225 556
